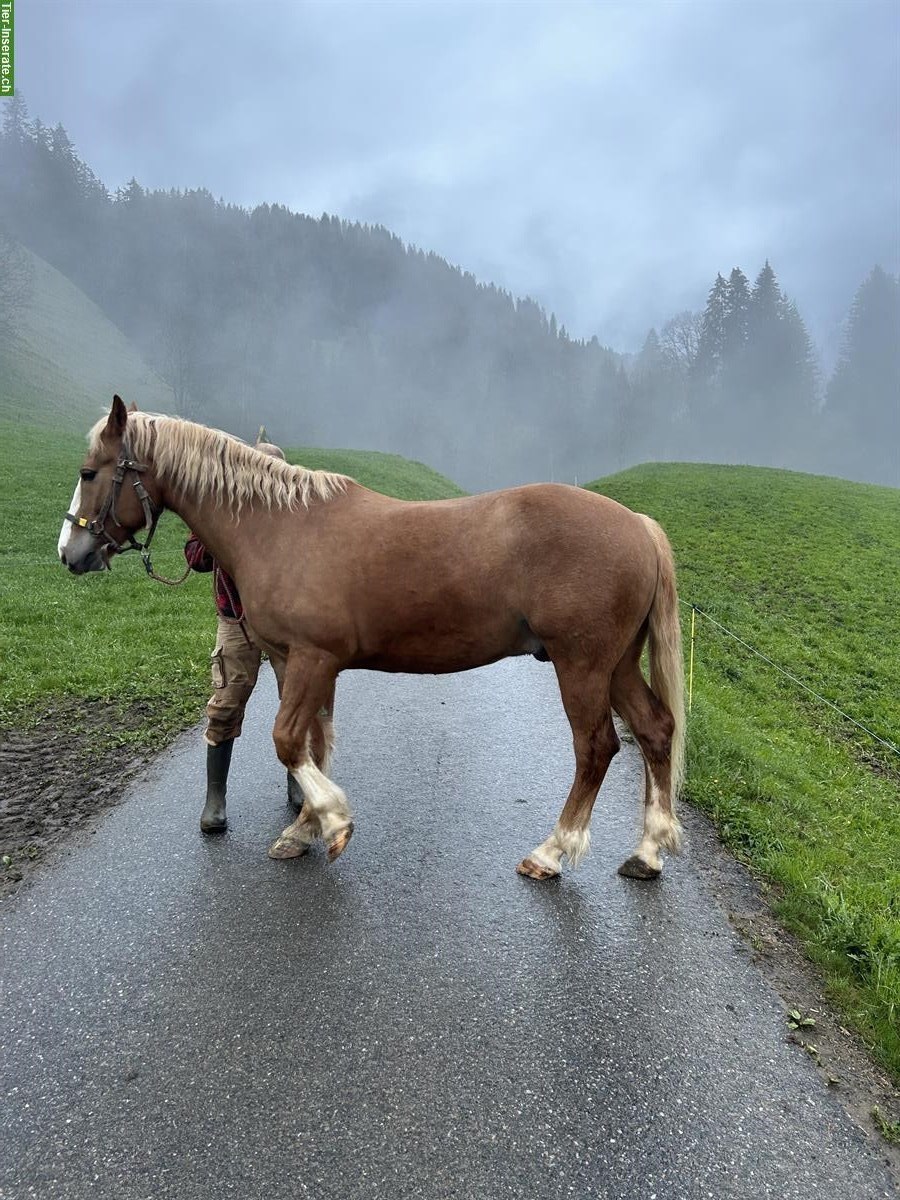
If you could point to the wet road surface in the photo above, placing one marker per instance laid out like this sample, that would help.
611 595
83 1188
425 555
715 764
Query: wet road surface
183 1017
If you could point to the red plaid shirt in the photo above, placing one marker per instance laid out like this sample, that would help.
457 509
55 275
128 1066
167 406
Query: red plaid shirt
228 600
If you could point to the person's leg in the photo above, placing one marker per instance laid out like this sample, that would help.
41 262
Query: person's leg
235 667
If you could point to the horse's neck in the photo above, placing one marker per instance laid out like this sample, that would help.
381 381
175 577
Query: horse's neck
227 540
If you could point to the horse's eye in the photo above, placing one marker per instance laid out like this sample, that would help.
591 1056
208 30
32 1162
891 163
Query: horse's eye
87 474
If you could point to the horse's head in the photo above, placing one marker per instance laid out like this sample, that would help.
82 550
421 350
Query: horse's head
111 502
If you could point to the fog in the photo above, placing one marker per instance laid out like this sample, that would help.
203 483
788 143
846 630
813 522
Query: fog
576 176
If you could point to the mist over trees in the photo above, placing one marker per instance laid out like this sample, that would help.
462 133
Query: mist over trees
337 333
744 374
865 387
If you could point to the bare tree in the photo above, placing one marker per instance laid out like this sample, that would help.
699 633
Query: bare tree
680 338
177 345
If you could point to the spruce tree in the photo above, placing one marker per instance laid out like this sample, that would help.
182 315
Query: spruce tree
863 399
15 119
736 316
763 314
712 334
773 381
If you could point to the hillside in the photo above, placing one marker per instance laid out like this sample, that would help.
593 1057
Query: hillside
805 569
338 333
67 358
387 473
328 331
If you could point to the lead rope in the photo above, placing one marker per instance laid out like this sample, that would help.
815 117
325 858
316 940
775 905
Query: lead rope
148 567
145 549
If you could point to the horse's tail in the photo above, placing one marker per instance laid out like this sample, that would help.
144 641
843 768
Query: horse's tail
666 662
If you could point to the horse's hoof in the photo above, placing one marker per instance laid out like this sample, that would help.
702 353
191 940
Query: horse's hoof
636 868
216 825
533 870
338 843
285 847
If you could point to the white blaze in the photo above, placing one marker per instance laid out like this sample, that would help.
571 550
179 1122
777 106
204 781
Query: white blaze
66 530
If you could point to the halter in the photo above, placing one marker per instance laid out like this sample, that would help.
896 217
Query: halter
97 527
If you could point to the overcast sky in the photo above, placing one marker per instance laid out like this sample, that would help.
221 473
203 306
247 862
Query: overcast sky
605 158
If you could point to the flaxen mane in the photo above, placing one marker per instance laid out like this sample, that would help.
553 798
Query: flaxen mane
209 463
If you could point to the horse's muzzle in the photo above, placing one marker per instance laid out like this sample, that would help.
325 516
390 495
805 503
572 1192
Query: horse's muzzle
94 560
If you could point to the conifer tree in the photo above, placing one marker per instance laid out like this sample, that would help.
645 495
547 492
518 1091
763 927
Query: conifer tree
863 398
764 310
737 305
712 333
780 377
15 118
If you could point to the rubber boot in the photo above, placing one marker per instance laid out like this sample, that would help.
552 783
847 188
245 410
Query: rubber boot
218 760
295 793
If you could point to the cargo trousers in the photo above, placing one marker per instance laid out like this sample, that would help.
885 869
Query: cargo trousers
235 666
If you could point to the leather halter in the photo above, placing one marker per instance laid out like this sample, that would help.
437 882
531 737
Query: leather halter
97 527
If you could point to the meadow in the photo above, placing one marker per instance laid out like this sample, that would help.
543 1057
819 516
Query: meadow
805 569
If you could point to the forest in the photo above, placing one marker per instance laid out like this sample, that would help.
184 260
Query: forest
337 333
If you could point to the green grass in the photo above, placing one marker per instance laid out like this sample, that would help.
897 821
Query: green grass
807 570
117 636
387 473
68 358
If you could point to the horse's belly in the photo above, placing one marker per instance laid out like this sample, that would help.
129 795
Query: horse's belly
434 652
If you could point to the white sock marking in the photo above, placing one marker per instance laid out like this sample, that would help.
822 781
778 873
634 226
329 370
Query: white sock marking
325 799
573 843
661 829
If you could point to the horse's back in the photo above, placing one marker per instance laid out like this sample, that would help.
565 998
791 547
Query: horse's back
527 543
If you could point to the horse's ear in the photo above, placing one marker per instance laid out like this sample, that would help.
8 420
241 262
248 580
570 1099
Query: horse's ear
132 407
117 420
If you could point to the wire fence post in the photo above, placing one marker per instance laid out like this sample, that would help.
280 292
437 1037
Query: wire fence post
691 670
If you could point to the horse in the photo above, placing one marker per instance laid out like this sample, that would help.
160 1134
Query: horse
334 576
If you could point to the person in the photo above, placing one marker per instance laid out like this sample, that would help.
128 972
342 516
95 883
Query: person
235 663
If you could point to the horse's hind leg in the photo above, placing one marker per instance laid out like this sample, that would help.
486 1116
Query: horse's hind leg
308 687
652 725
585 694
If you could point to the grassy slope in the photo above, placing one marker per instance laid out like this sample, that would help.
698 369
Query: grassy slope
387 473
68 358
807 570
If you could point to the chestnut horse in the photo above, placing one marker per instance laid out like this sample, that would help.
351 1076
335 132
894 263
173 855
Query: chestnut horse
335 576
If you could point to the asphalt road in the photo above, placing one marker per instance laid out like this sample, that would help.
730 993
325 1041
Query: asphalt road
184 1017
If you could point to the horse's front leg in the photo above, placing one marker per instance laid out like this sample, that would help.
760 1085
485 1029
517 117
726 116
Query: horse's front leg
308 687
321 735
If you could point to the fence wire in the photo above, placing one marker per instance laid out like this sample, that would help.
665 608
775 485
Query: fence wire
696 610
